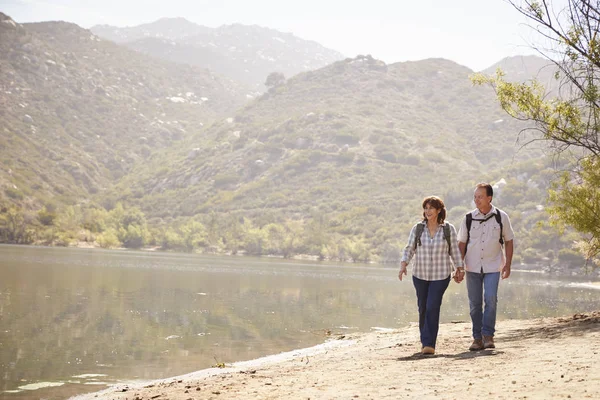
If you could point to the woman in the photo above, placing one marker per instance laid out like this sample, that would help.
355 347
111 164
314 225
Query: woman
436 247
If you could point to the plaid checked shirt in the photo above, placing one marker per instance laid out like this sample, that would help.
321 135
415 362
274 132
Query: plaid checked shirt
432 262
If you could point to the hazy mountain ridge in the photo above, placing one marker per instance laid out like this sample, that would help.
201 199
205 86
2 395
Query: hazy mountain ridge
167 28
78 111
242 52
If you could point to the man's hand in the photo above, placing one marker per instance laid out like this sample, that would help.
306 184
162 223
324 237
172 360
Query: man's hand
506 271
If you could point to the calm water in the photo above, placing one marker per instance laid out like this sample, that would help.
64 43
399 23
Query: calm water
84 318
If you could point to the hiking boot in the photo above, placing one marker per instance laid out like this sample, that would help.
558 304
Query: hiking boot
488 342
477 345
428 350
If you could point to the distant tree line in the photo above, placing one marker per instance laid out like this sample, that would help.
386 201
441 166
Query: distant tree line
319 236
226 234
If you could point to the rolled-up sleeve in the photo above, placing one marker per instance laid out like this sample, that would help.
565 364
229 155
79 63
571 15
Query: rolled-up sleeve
507 231
462 231
454 250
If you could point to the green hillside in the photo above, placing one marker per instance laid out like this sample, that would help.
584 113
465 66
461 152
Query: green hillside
357 133
348 150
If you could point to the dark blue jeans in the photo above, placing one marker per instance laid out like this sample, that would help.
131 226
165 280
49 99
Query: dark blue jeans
429 301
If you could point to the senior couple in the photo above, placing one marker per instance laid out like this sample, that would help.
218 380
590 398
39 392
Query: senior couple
482 250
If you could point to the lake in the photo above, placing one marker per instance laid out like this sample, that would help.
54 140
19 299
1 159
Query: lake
74 320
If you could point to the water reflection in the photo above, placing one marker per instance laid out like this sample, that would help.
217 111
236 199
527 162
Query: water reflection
85 317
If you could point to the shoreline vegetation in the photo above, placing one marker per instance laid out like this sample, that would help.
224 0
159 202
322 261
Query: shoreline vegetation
542 358
338 238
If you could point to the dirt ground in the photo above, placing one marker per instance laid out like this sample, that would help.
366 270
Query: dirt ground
547 358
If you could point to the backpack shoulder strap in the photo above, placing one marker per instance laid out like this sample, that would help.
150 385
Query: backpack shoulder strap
469 221
447 236
418 233
499 221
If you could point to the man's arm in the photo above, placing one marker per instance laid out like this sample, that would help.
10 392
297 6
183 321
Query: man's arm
462 247
508 247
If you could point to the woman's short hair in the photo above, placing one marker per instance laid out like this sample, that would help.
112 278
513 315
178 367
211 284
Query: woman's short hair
436 203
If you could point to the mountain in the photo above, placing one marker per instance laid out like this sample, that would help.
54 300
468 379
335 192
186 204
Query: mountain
359 141
525 68
78 112
244 53
166 28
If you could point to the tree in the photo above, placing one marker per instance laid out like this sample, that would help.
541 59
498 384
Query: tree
15 227
212 231
255 240
193 234
46 217
108 239
356 249
316 233
134 236
170 239
132 231
569 121
275 79
232 234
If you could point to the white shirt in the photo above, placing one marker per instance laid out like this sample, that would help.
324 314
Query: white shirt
484 252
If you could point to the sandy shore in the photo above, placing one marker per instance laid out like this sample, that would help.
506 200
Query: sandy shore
547 358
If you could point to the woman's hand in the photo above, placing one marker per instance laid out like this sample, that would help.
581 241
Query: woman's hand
403 265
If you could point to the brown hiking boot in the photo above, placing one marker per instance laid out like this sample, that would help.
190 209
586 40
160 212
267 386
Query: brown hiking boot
477 345
488 342
428 350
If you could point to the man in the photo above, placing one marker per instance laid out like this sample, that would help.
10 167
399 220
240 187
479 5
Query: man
481 247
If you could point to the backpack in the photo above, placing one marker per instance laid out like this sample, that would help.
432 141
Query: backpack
470 219
419 232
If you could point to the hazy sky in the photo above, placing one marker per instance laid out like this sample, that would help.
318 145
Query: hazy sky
474 33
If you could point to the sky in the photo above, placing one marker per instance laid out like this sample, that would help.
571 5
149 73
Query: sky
473 33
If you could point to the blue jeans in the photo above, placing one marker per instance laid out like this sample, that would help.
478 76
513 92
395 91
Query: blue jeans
429 301
483 287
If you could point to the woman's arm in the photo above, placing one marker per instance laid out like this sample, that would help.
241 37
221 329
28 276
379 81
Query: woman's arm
456 255
408 253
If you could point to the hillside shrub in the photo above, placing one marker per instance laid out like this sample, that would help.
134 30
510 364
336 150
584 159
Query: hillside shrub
14 193
342 138
223 180
108 240
410 159
386 155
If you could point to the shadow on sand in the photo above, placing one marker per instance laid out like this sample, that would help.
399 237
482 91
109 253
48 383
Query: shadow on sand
459 356
575 325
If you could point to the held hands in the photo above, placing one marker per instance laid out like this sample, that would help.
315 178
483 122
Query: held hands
459 275
402 270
